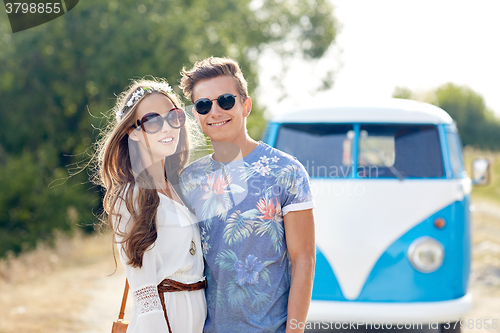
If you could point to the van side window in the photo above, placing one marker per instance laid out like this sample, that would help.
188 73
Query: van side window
457 163
389 151
325 150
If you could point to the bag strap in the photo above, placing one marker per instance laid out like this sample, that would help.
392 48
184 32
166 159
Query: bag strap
124 301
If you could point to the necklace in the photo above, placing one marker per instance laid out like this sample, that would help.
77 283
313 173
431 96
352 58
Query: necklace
192 247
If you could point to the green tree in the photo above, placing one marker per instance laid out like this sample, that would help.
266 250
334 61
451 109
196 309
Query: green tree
402 92
477 124
58 81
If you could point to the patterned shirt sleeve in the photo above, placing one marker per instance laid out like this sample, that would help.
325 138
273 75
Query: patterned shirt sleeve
296 187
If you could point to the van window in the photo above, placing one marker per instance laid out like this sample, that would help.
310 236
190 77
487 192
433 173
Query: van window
389 151
457 163
376 150
323 149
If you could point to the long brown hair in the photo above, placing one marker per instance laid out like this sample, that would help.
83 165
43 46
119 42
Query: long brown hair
115 174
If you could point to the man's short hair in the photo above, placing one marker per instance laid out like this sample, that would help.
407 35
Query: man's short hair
210 68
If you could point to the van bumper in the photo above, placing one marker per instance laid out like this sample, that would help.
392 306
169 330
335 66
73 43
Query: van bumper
389 312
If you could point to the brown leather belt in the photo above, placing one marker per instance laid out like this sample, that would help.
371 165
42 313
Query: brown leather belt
168 285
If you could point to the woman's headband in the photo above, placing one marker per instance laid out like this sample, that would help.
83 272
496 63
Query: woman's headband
139 93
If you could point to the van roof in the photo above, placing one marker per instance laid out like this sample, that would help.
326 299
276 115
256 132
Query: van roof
385 111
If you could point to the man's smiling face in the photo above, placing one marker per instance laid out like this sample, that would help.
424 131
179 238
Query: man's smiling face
219 124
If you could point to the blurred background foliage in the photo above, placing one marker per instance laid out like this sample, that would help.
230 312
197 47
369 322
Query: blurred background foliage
477 124
58 81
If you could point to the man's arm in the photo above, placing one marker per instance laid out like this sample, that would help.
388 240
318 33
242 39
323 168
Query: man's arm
299 233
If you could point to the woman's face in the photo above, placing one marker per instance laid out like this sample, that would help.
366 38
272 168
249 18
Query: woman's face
162 143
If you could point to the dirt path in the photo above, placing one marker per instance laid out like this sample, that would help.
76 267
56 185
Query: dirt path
104 300
485 274
65 289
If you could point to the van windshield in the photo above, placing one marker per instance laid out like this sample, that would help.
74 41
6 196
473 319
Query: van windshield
323 149
399 151
384 151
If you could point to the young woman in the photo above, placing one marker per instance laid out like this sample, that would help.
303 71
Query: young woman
139 161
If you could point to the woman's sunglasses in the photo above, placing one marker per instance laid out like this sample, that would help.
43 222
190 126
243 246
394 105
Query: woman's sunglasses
153 122
225 101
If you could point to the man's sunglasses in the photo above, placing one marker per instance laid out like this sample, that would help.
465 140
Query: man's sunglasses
225 101
153 122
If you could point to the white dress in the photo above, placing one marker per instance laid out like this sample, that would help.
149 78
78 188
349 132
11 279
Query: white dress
168 257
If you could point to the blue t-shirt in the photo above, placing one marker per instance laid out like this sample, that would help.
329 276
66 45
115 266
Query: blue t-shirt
240 206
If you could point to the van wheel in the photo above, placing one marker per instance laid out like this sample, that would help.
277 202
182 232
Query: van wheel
453 327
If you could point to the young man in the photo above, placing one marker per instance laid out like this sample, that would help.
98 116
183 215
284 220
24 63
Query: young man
254 205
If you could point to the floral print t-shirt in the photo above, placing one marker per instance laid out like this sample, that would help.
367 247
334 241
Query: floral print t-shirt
240 206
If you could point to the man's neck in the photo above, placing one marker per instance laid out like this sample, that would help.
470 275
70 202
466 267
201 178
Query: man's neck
225 152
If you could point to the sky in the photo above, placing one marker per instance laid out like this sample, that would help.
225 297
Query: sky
388 43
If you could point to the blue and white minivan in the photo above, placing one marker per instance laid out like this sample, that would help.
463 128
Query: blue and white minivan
392 211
